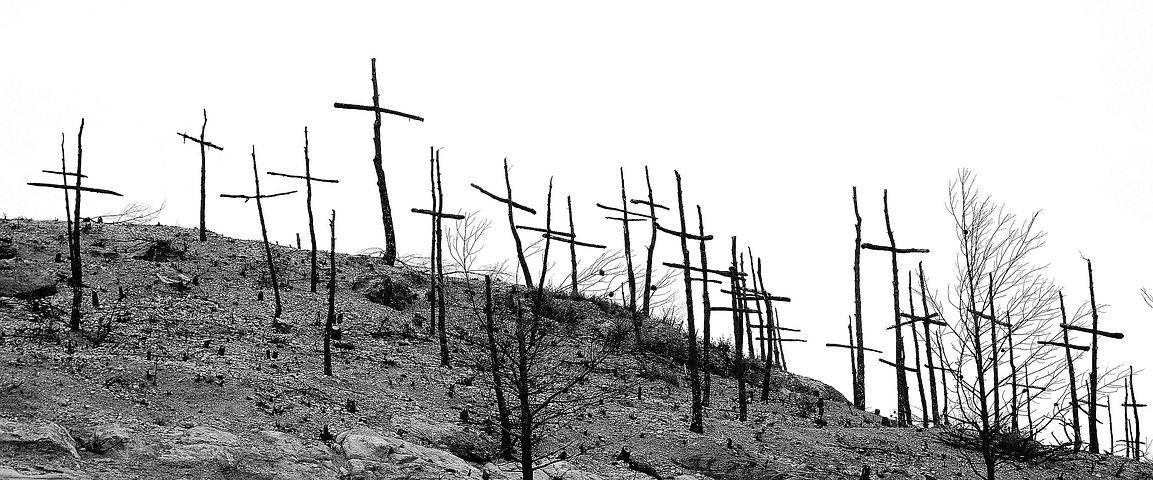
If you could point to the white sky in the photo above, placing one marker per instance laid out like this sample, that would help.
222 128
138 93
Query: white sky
771 111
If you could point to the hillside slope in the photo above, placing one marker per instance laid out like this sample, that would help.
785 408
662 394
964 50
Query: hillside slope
186 377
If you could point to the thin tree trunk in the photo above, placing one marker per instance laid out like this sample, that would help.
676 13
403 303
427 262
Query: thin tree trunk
497 387
928 346
381 185
706 315
77 270
1015 408
1109 413
264 235
1136 417
1092 393
917 355
648 293
441 310
67 204
308 202
632 280
203 180
328 324
757 305
738 338
516 236
742 303
767 333
852 353
432 277
1072 378
859 381
572 249
995 348
696 423
780 345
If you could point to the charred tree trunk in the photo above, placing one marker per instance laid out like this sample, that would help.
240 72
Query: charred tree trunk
1072 378
744 306
381 184
928 346
648 293
497 386
572 249
432 276
738 338
917 355
632 280
696 423
859 381
1092 393
994 346
516 236
264 235
203 179
440 323
77 270
770 338
780 345
706 314
904 411
852 352
757 305
331 320
308 203
1014 406
1136 417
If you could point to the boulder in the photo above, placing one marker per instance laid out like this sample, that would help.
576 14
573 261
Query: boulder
386 290
202 447
12 474
26 283
159 251
7 250
372 456
35 439
467 444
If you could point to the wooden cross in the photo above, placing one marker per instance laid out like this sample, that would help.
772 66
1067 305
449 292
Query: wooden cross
904 410
705 301
308 179
570 239
697 407
1095 332
647 296
512 206
917 351
859 378
630 274
738 334
1132 403
74 250
377 161
203 168
436 253
1069 347
263 229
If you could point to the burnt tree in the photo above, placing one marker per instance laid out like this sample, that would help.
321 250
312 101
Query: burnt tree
859 380
330 321
647 296
436 303
512 207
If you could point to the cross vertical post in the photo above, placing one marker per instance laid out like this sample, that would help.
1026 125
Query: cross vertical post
204 144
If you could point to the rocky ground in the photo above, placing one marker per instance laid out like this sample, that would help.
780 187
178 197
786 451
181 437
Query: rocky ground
181 373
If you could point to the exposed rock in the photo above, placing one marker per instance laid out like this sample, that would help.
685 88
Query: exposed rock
11 474
372 456
26 283
557 471
42 439
386 290
468 444
7 250
102 439
202 447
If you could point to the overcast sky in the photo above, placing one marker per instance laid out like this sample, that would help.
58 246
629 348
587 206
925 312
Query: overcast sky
771 111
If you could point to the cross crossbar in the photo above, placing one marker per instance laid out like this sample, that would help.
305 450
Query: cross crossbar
686 235
572 241
503 200
711 280
451 216
202 142
852 347
621 219
621 210
74 187
891 364
646 202
303 177
917 319
731 309
1102 333
370 108
545 230
251 197
70 174
982 315
871 246
723 273
1028 387
1081 348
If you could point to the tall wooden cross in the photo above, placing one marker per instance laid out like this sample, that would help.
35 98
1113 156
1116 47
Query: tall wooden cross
904 410
436 255
512 207
263 230
706 304
630 274
74 249
853 348
378 163
928 344
203 171
569 238
1094 446
308 179
647 296
1132 403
